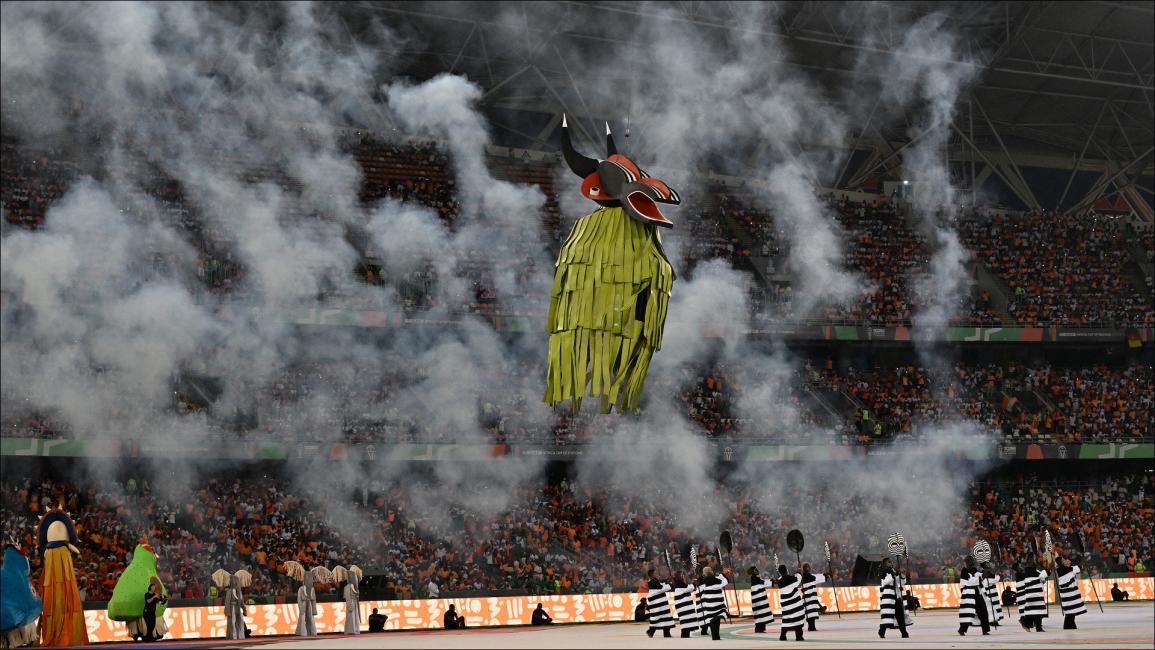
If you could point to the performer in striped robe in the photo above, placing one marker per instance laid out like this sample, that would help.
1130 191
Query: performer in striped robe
890 596
972 608
793 606
814 608
1032 606
759 600
991 589
698 587
658 606
684 607
1069 596
713 601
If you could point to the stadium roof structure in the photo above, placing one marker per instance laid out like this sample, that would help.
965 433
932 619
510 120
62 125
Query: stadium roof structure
1062 86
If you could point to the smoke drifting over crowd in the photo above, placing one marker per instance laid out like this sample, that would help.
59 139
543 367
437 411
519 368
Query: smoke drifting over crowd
106 308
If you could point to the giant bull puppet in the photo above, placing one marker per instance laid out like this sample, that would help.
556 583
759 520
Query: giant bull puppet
612 285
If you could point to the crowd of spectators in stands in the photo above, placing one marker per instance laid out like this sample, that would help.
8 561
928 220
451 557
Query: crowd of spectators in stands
552 538
1096 402
1109 512
329 402
1057 269
31 181
1060 269
888 253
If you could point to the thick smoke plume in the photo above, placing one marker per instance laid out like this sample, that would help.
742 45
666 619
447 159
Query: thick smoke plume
214 98
225 101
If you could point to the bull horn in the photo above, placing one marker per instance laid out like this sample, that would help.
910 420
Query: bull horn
611 148
578 164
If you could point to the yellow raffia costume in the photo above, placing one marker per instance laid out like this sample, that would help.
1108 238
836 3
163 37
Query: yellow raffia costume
611 287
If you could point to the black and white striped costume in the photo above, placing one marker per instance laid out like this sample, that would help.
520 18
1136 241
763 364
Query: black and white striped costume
810 582
1029 585
698 610
889 592
793 606
658 606
713 598
760 601
991 586
1069 596
970 598
713 604
685 608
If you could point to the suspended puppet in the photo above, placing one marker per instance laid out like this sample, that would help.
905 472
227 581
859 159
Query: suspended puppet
612 285
139 597
62 622
19 606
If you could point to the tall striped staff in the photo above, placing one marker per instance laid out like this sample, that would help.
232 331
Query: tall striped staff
1042 556
726 543
1083 553
1049 553
833 587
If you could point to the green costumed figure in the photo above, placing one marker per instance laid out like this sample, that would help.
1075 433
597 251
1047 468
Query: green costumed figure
139 597
612 285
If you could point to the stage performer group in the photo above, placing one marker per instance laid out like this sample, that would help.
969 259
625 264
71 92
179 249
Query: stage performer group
55 616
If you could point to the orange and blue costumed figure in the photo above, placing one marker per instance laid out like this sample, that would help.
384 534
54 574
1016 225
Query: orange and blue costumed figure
62 621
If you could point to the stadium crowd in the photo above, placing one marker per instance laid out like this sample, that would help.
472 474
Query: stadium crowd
1044 284
553 538
818 404
1060 268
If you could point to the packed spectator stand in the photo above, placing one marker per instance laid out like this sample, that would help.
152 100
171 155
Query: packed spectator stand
1093 285
552 538
849 405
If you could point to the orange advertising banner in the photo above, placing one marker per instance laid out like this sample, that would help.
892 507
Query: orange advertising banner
209 622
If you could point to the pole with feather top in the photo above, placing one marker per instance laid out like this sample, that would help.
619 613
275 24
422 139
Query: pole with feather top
833 586
1042 556
1083 552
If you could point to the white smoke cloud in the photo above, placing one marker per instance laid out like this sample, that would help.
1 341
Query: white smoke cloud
215 95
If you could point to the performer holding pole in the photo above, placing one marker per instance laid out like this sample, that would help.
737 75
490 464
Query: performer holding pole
759 601
1070 599
658 605
892 609
810 596
972 609
1029 581
830 575
713 601
684 607
988 581
793 605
